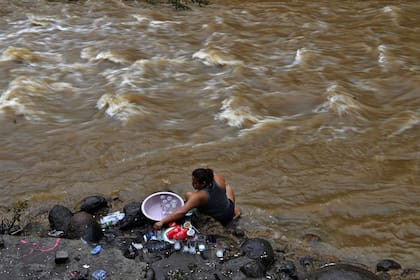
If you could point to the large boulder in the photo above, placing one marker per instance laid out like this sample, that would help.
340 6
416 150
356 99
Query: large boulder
92 204
83 225
343 272
59 218
259 250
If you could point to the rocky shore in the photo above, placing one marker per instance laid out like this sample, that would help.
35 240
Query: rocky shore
59 243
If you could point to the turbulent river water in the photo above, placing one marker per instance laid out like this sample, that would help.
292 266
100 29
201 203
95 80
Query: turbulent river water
310 109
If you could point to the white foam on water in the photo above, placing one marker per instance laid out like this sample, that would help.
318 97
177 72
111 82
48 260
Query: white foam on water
262 124
18 98
153 23
120 107
298 57
109 55
216 57
19 54
382 54
393 11
341 103
36 100
236 116
336 133
404 124
12 104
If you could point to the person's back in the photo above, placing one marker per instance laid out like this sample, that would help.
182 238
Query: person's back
218 205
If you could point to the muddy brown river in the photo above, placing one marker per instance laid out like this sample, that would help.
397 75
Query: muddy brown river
310 109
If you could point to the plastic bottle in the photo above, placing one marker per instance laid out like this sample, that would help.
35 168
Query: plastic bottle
112 219
148 236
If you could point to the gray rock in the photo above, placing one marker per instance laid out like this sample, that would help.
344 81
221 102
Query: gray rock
183 266
16 261
342 272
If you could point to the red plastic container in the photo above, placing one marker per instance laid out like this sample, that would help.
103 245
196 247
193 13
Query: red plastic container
170 234
181 235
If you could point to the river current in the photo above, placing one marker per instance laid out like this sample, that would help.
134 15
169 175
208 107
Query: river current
310 110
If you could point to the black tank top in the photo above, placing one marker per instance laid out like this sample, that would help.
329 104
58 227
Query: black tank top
217 204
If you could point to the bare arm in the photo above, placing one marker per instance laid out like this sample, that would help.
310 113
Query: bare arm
196 199
220 180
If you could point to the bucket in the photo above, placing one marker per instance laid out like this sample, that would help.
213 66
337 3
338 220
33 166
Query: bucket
161 204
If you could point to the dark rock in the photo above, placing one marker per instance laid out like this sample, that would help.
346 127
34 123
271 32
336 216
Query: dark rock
387 264
133 216
183 266
287 268
150 274
253 269
342 272
59 218
306 261
131 252
218 275
260 250
237 275
92 204
61 257
83 225
238 232
307 264
2 246
235 264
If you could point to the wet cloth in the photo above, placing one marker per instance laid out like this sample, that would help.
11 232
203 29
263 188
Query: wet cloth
218 205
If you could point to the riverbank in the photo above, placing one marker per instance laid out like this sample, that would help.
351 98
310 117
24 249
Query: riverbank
34 251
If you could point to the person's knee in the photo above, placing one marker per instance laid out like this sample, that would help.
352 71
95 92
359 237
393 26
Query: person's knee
237 213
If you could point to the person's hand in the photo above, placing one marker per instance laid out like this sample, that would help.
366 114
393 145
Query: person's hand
158 225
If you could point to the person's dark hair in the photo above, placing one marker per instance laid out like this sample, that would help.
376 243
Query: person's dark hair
203 175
